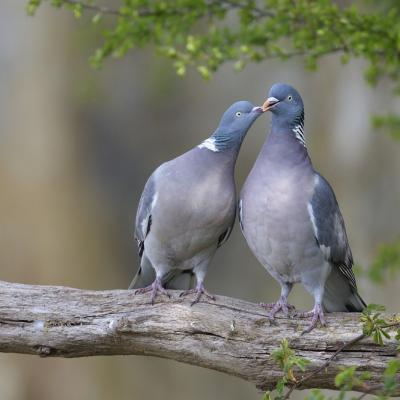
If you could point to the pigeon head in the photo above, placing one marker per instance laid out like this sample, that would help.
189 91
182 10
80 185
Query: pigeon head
285 103
239 116
234 124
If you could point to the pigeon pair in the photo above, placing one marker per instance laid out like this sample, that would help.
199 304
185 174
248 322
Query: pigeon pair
288 213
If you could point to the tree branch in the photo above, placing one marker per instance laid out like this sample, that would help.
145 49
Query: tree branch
93 7
228 335
144 12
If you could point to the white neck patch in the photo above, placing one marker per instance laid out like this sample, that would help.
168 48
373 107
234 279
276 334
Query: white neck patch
298 130
208 144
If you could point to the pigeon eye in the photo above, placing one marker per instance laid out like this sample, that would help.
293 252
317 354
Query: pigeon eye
238 114
290 97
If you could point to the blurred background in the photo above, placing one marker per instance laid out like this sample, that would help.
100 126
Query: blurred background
76 148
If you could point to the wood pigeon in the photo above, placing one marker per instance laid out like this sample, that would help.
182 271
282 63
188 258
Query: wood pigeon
290 217
188 207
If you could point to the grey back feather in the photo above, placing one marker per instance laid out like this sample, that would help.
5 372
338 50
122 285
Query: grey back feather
143 215
329 228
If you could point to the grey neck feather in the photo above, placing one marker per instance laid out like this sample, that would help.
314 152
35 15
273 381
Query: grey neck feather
284 152
293 126
227 140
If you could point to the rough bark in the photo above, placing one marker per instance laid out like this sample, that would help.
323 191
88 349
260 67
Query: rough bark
228 335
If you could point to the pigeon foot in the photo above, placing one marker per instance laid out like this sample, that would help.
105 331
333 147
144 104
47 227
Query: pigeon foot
316 314
199 291
281 305
154 288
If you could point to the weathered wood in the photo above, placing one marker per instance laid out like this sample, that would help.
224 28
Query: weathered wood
228 335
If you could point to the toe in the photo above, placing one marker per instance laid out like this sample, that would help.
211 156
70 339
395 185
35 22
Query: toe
266 305
208 295
143 290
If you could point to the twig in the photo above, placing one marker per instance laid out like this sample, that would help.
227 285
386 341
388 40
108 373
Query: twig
93 7
369 390
323 366
150 13
331 358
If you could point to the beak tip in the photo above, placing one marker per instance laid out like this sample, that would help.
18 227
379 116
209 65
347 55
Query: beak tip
271 101
257 109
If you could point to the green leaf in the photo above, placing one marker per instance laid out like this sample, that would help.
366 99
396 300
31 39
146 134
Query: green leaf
373 324
287 360
96 18
267 396
204 72
239 65
77 10
389 377
387 261
374 308
345 378
315 394
280 386
32 6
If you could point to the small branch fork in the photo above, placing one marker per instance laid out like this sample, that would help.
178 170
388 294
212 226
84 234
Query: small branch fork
326 364
346 345
226 335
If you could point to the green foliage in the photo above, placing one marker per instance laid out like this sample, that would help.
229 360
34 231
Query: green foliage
389 377
315 394
208 33
390 122
373 324
267 395
287 360
348 378
75 6
32 6
205 34
387 261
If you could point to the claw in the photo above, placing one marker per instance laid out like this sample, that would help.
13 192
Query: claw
199 291
316 314
154 288
281 305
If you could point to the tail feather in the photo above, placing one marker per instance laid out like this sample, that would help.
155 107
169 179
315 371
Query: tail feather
340 295
180 280
145 275
175 279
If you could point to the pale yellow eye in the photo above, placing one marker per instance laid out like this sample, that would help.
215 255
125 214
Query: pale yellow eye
238 114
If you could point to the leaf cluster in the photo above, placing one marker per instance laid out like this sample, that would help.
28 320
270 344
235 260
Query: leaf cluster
373 324
205 34
387 261
208 33
288 361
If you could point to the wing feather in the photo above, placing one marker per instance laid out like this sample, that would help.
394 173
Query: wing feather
143 216
329 228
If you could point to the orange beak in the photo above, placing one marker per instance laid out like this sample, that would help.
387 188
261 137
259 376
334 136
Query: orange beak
269 103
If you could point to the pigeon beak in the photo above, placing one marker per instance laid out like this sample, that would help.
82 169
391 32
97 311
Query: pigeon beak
269 103
257 110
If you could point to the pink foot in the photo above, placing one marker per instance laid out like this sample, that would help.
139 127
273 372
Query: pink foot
199 291
281 304
316 314
154 288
